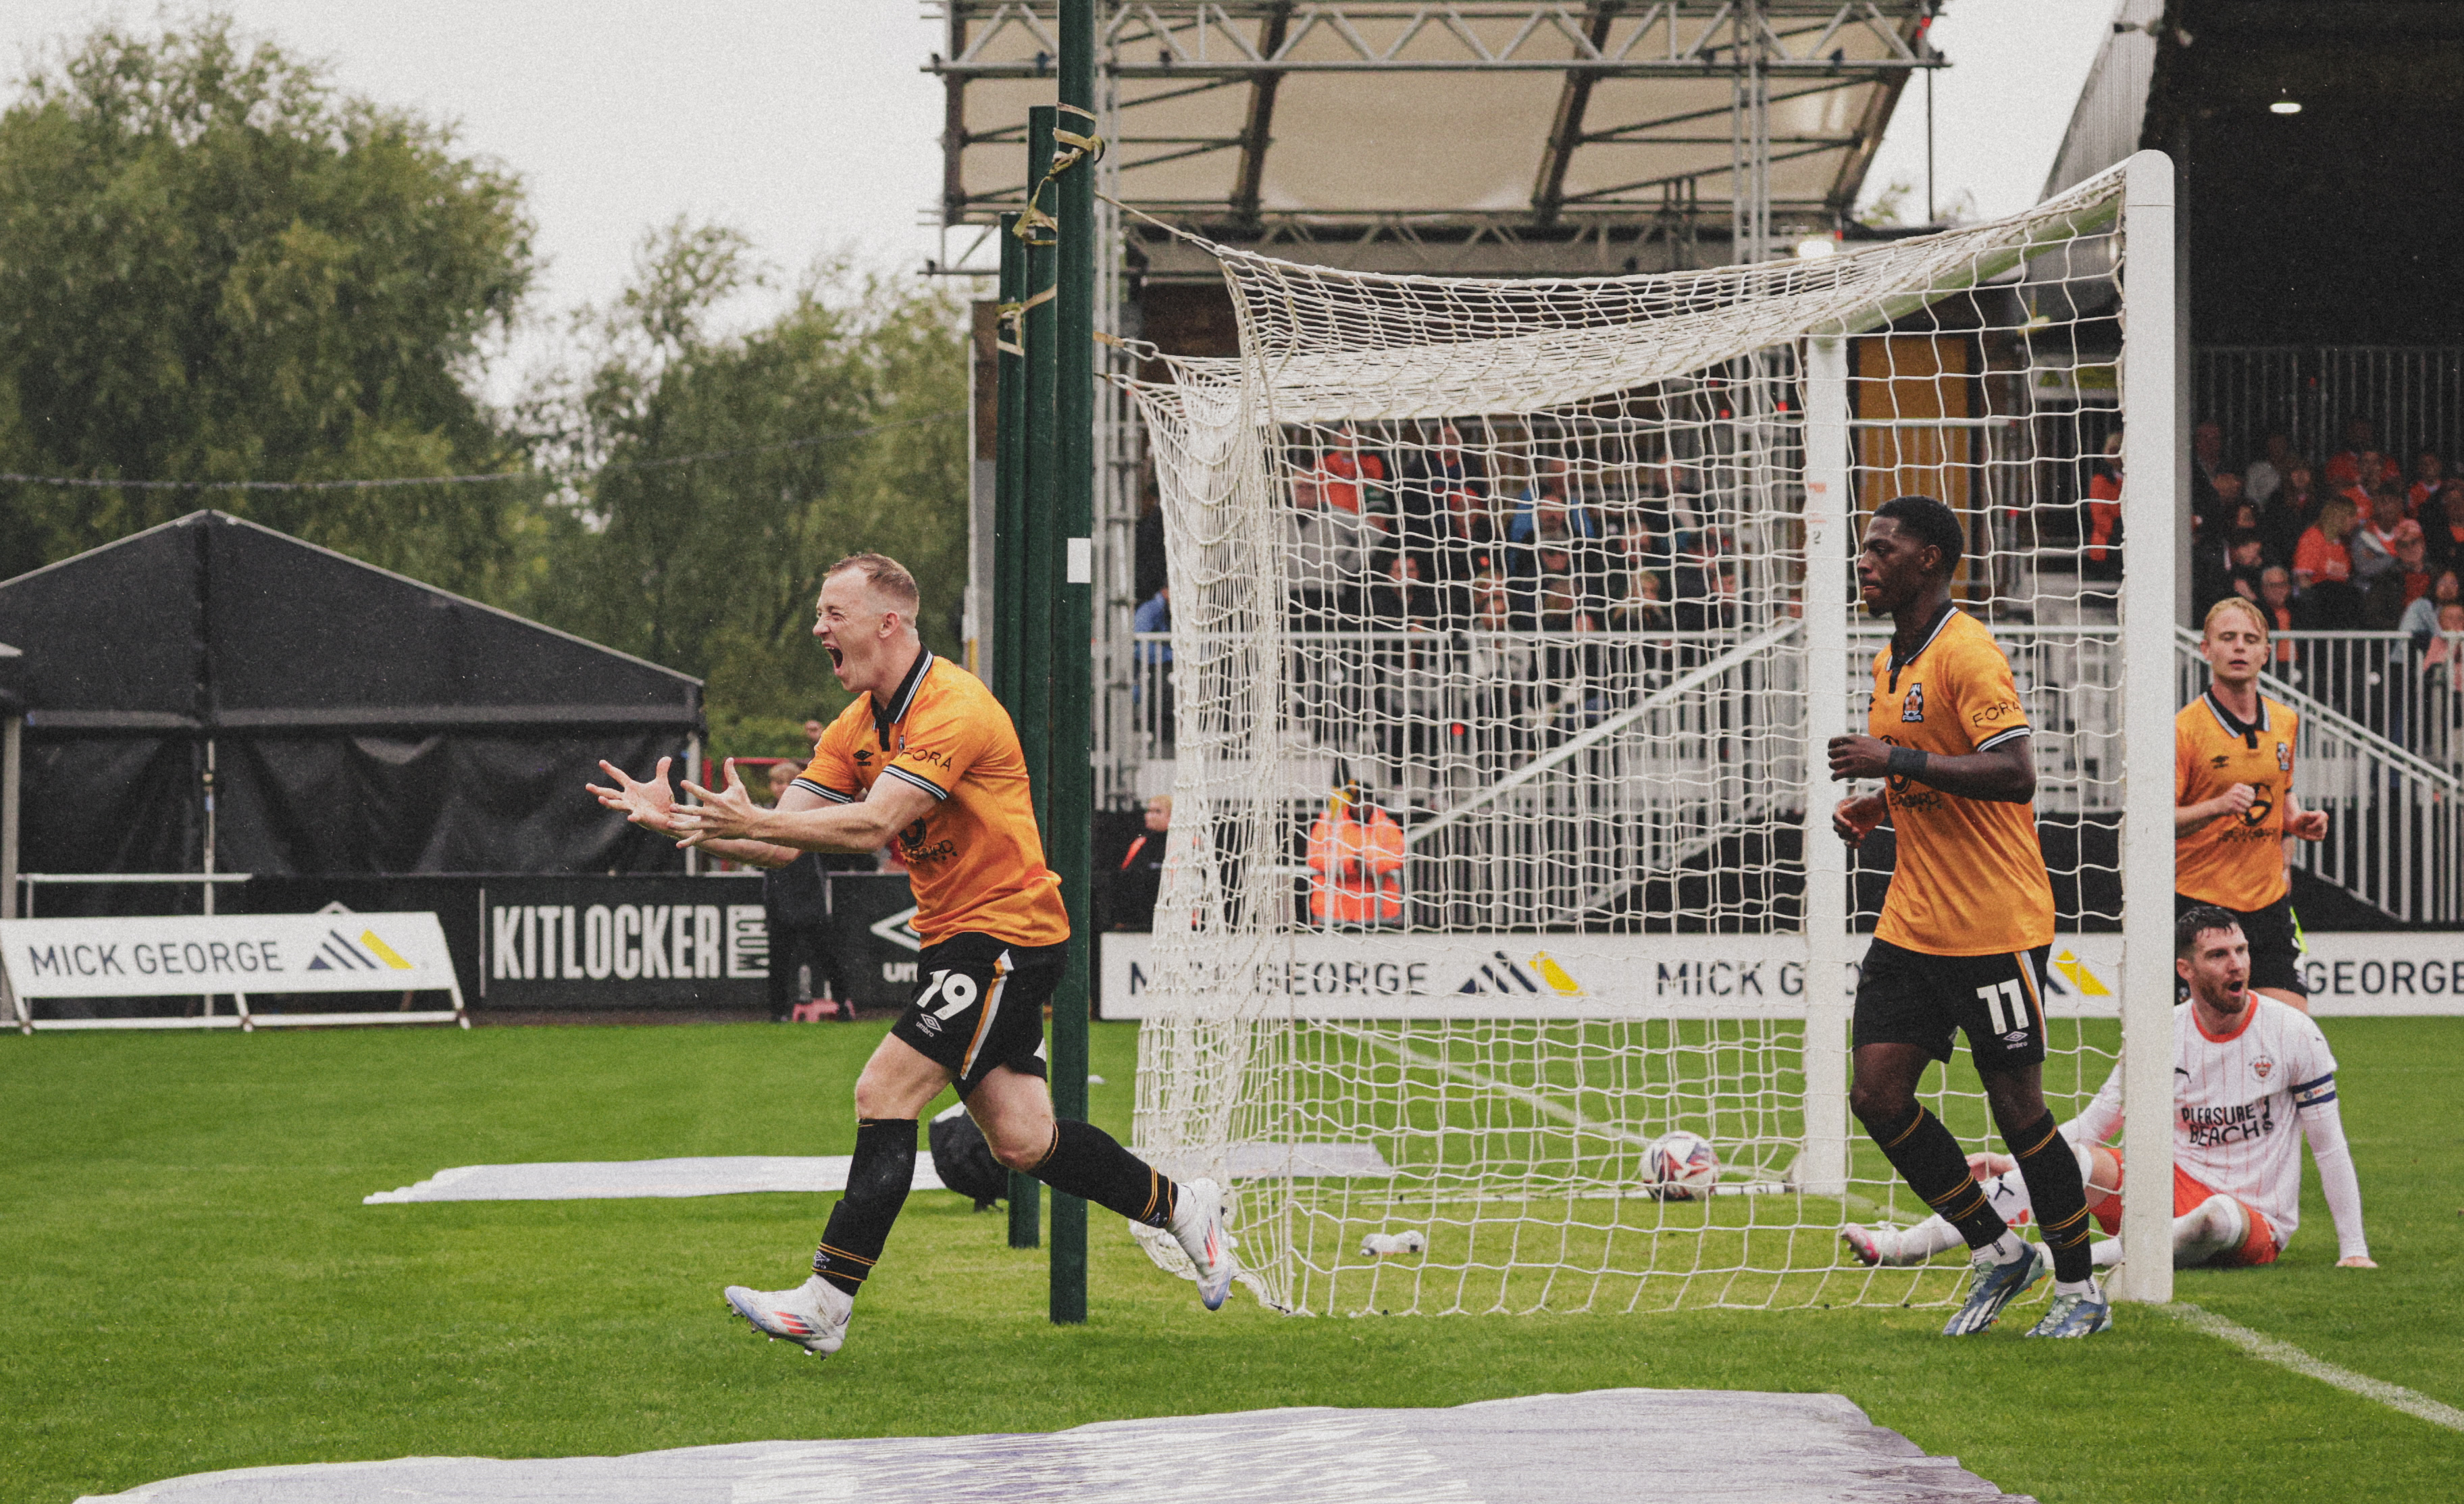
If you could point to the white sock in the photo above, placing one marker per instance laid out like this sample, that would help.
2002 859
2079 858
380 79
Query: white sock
2008 1247
2075 1287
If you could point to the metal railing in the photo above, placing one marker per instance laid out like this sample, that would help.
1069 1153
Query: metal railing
2395 811
2412 394
1556 778
1543 777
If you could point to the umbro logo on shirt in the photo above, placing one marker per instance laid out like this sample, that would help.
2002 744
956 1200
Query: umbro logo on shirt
862 755
1912 708
2219 760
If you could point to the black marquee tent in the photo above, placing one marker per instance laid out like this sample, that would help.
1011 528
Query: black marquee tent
212 682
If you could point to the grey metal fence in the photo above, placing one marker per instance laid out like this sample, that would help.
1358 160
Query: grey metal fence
1541 775
2412 394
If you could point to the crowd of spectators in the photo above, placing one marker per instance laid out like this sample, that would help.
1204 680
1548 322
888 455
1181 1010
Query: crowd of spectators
1439 537
2358 541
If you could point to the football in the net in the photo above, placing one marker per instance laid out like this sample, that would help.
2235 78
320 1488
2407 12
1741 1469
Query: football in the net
1680 1167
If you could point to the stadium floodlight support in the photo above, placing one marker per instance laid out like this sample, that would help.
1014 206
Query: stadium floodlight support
1068 833
2155 461
12 743
1009 579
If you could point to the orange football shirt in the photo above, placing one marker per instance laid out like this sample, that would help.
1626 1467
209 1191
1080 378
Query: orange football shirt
976 860
2235 861
1971 879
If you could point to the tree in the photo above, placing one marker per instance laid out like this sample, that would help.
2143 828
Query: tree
215 267
717 476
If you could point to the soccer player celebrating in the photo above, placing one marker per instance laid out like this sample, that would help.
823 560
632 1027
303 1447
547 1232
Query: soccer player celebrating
2233 800
2246 1068
1964 933
926 755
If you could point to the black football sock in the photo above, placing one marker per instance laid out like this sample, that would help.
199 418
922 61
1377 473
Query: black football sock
1928 1159
2052 1172
877 1187
1087 1163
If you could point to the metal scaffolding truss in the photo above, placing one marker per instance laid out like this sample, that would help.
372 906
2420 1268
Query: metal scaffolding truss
1355 117
1221 38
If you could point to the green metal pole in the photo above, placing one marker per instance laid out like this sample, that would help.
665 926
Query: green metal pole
1033 711
1009 588
1069 834
1009 472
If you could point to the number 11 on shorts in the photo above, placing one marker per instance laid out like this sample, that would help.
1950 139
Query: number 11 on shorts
2006 1005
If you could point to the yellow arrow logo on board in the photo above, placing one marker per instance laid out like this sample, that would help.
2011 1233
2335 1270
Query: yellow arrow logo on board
1550 972
2081 977
385 952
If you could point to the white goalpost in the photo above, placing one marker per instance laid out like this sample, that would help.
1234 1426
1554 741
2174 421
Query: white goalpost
1509 621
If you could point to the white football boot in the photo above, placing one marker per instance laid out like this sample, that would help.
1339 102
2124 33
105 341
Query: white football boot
1197 1224
813 1316
1878 1247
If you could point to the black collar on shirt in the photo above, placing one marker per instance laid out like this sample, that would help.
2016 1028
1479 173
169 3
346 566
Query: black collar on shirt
2235 726
886 717
1934 629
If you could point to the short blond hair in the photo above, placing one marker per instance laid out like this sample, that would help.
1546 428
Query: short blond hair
886 576
2247 607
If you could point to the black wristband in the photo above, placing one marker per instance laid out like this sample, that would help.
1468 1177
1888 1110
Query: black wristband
1906 762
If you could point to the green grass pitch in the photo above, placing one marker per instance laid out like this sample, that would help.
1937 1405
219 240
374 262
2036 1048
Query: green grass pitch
191 1283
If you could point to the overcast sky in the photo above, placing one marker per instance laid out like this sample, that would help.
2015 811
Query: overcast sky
807 124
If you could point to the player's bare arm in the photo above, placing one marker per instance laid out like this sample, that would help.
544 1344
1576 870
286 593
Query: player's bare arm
728 816
2005 774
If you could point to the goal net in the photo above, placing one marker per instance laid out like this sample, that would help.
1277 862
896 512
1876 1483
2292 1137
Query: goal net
1507 620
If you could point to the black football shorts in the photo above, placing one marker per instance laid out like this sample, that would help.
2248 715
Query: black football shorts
979 1004
2275 946
1908 997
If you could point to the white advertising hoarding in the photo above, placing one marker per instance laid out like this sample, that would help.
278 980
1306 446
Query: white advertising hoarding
234 955
1716 976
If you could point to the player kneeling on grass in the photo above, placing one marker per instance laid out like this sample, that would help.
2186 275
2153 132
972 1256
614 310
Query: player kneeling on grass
927 757
1969 916
2245 1068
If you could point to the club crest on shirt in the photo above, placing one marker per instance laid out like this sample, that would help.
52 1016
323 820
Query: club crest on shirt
2261 1066
2284 757
1912 708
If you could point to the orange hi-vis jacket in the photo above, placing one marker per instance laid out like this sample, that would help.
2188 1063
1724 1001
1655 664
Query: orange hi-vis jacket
1355 867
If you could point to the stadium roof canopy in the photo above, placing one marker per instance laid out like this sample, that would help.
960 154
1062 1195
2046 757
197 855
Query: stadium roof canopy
2315 147
1495 136
358 721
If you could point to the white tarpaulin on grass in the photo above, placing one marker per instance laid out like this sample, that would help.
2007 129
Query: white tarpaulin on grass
743 1174
1606 1447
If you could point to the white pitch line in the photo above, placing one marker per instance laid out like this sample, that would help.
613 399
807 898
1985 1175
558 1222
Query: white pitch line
1465 1074
2259 1344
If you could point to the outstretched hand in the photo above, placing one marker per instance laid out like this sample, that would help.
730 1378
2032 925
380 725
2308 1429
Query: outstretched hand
723 814
651 805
